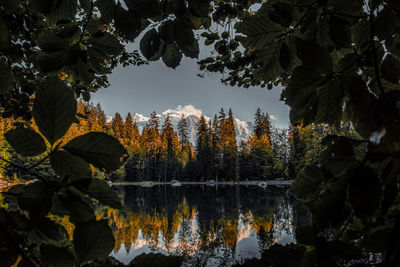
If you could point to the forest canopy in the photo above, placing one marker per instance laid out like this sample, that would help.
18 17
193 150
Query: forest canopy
336 60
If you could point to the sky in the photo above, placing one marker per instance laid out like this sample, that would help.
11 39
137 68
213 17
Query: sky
155 87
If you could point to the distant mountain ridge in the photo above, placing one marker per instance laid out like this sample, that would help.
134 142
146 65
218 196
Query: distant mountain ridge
243 129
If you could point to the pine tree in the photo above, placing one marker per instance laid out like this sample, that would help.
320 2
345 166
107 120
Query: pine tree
117 126
169 137
262 124
229 149
258 123
151 141
101 116
182 132
129 128
202 148
216 148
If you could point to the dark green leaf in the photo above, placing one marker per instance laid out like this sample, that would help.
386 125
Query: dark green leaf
66 164
377 239
80 208
172 57
49 41
288 58
259 31
282 14
393 45
35 197
309 180
83 72
167 32
85 4
314 56
330 103
386 24
56 256
150 45
96 27
364 191
360 33
99 149
108 44
48 62
4 35
93 240
6 78
48 231
54 109
25 141
330 198
269 57
302 86
178 7
323 38
339 156
343 7
127 23
391 69
144 8
100 190
65 11
185 40
199 8
340 33
106 8
97 60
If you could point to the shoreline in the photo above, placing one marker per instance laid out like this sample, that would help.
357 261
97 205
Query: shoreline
210 183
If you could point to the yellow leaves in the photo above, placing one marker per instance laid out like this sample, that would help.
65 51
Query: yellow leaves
62 76
260 143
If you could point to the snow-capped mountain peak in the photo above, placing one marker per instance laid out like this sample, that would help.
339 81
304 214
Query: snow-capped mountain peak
140 118
243 129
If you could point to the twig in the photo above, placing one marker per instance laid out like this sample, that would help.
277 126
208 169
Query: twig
18 246
372 44
298 22
23 168
345 226
88 18
38 163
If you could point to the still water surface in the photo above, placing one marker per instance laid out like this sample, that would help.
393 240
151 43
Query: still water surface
208 225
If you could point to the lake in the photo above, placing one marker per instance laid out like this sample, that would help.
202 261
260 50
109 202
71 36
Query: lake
216 225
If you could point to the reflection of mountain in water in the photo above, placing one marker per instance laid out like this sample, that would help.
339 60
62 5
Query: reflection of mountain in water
211 226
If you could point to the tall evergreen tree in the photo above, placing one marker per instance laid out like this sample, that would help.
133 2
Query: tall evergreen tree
101 116
129 130
262 124
169 137
152 144
216 148
202 148
117 125
229 149
182 132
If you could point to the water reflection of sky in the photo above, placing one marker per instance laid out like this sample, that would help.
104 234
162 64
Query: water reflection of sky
222 242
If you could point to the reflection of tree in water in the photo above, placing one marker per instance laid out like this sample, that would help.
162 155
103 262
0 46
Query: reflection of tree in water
202 223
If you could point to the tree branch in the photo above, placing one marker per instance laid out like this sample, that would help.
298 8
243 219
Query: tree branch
88 18
23 168
372 45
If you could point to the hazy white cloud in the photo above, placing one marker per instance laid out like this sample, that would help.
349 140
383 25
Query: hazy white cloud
273 117
185 110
